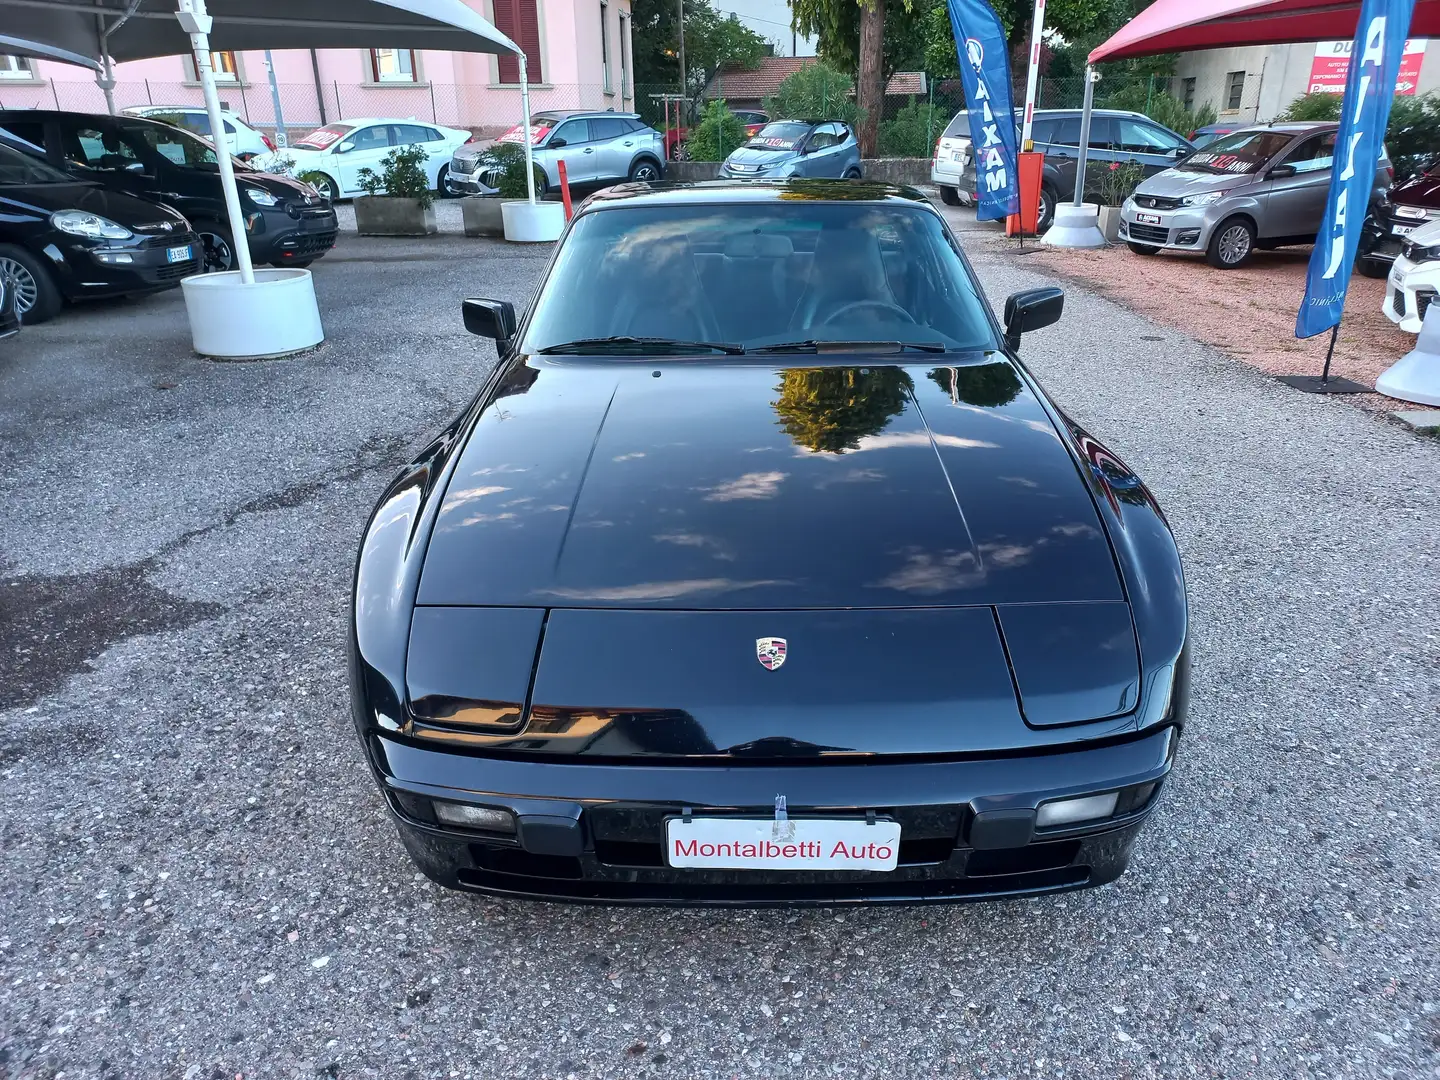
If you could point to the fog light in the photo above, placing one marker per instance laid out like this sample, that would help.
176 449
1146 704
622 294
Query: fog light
1187 236
1072 811
116 258
475 817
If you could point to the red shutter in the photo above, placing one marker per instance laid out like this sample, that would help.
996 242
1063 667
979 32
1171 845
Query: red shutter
520 22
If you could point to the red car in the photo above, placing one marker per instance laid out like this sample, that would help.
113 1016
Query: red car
675 137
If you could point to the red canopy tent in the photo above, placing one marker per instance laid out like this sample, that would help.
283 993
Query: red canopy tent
1184 25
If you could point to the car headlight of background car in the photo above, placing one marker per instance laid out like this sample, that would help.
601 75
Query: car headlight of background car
1205 198
93 226
259 196
1419 253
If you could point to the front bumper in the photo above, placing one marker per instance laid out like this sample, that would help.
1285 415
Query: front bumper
88 269
595 832
1409 291
287 234
1185 229
459 182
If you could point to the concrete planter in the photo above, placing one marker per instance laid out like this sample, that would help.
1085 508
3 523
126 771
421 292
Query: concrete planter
1110 223
482 215
388 215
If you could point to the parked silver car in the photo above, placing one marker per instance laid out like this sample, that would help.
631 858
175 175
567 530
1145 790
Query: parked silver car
796 148
597 147
1257 187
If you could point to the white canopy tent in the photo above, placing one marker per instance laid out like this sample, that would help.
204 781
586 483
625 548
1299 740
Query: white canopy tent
16 46
103 32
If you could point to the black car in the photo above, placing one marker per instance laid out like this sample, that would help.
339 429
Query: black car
1115 136
64 239
289 222
761 570
1394 216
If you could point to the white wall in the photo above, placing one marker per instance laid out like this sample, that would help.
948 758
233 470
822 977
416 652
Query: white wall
1275 75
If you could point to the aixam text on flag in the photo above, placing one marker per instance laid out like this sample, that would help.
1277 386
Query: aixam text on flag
985 72
1369 89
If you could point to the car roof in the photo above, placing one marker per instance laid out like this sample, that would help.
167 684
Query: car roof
1292 127
144 111
720 192
570 114
1094 112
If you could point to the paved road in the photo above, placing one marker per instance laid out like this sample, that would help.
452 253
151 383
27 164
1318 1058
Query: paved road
199 880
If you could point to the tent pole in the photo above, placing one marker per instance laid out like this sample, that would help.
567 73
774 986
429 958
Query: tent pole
525 125
106 79
1090 79
195 22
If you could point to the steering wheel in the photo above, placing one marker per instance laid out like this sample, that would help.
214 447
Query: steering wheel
874 305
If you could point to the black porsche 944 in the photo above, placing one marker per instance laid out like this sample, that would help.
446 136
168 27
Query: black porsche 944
762 571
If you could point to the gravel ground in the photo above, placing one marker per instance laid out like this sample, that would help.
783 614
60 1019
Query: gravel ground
200 882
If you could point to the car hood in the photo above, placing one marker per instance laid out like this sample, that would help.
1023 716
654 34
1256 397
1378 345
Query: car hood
1418 191
283 187
1178 183
699 486
1428 235
127 210
768 158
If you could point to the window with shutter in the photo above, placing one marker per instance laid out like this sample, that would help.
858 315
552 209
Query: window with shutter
519 20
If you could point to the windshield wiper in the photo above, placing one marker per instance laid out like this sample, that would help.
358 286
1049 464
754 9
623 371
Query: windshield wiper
816 346
647 344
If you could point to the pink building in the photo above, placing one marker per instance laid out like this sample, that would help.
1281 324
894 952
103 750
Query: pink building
578 53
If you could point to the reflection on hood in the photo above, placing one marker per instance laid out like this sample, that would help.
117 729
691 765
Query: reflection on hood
829 410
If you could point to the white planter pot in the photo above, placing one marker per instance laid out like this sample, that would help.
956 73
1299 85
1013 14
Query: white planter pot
275 316
1110 223
1416 375
1075 227
528 222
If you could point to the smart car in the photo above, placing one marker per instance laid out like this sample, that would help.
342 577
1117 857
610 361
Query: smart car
761 570
796 148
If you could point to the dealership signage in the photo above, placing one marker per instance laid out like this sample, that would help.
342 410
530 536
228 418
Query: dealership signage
1332 62
985 73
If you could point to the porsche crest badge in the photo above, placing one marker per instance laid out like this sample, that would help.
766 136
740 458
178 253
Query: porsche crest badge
770 651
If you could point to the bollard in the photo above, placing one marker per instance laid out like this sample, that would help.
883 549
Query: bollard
565 190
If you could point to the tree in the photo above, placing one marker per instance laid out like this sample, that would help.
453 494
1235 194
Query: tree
712 41
829 410
816 91
1090 21
719 132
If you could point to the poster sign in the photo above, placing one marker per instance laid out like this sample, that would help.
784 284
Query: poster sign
1332 62
985 74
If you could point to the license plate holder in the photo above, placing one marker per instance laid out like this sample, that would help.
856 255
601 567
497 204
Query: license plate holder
178 254
746 843
1148 219
1403 230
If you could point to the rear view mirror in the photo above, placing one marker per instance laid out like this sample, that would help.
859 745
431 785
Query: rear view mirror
494 319
1030 310
1280 172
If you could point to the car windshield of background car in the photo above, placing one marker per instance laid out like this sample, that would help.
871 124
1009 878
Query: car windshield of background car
17 167
1239 152
180 147
323 138
784 135
760 275
539 127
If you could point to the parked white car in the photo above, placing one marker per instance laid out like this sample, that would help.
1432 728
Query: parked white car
1414 278
332 156
242 140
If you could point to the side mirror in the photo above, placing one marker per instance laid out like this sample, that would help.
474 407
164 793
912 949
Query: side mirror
135 167
1280 172
494 319
1178 152
345 147
555 144
1030 310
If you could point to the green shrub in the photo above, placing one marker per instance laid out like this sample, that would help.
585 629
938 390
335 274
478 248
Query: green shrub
400 176
718 133
815 92
913 131
1313 107
1161 107
509 158
1112 182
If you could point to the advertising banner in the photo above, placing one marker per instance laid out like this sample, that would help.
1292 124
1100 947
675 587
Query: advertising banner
985 72
1332 61
1369 89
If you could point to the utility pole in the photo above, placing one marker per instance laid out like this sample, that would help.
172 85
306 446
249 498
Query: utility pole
684 92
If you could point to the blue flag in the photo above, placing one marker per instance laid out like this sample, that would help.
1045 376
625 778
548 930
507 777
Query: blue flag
985 70
1369 89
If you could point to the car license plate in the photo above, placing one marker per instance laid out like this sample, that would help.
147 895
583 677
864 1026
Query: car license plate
1403 230
957 155
796 844
1148 219
178 254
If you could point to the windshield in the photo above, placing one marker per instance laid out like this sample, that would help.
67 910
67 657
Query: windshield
1239 152
539 127
754 276
323 138
784 135
17 167
177 145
